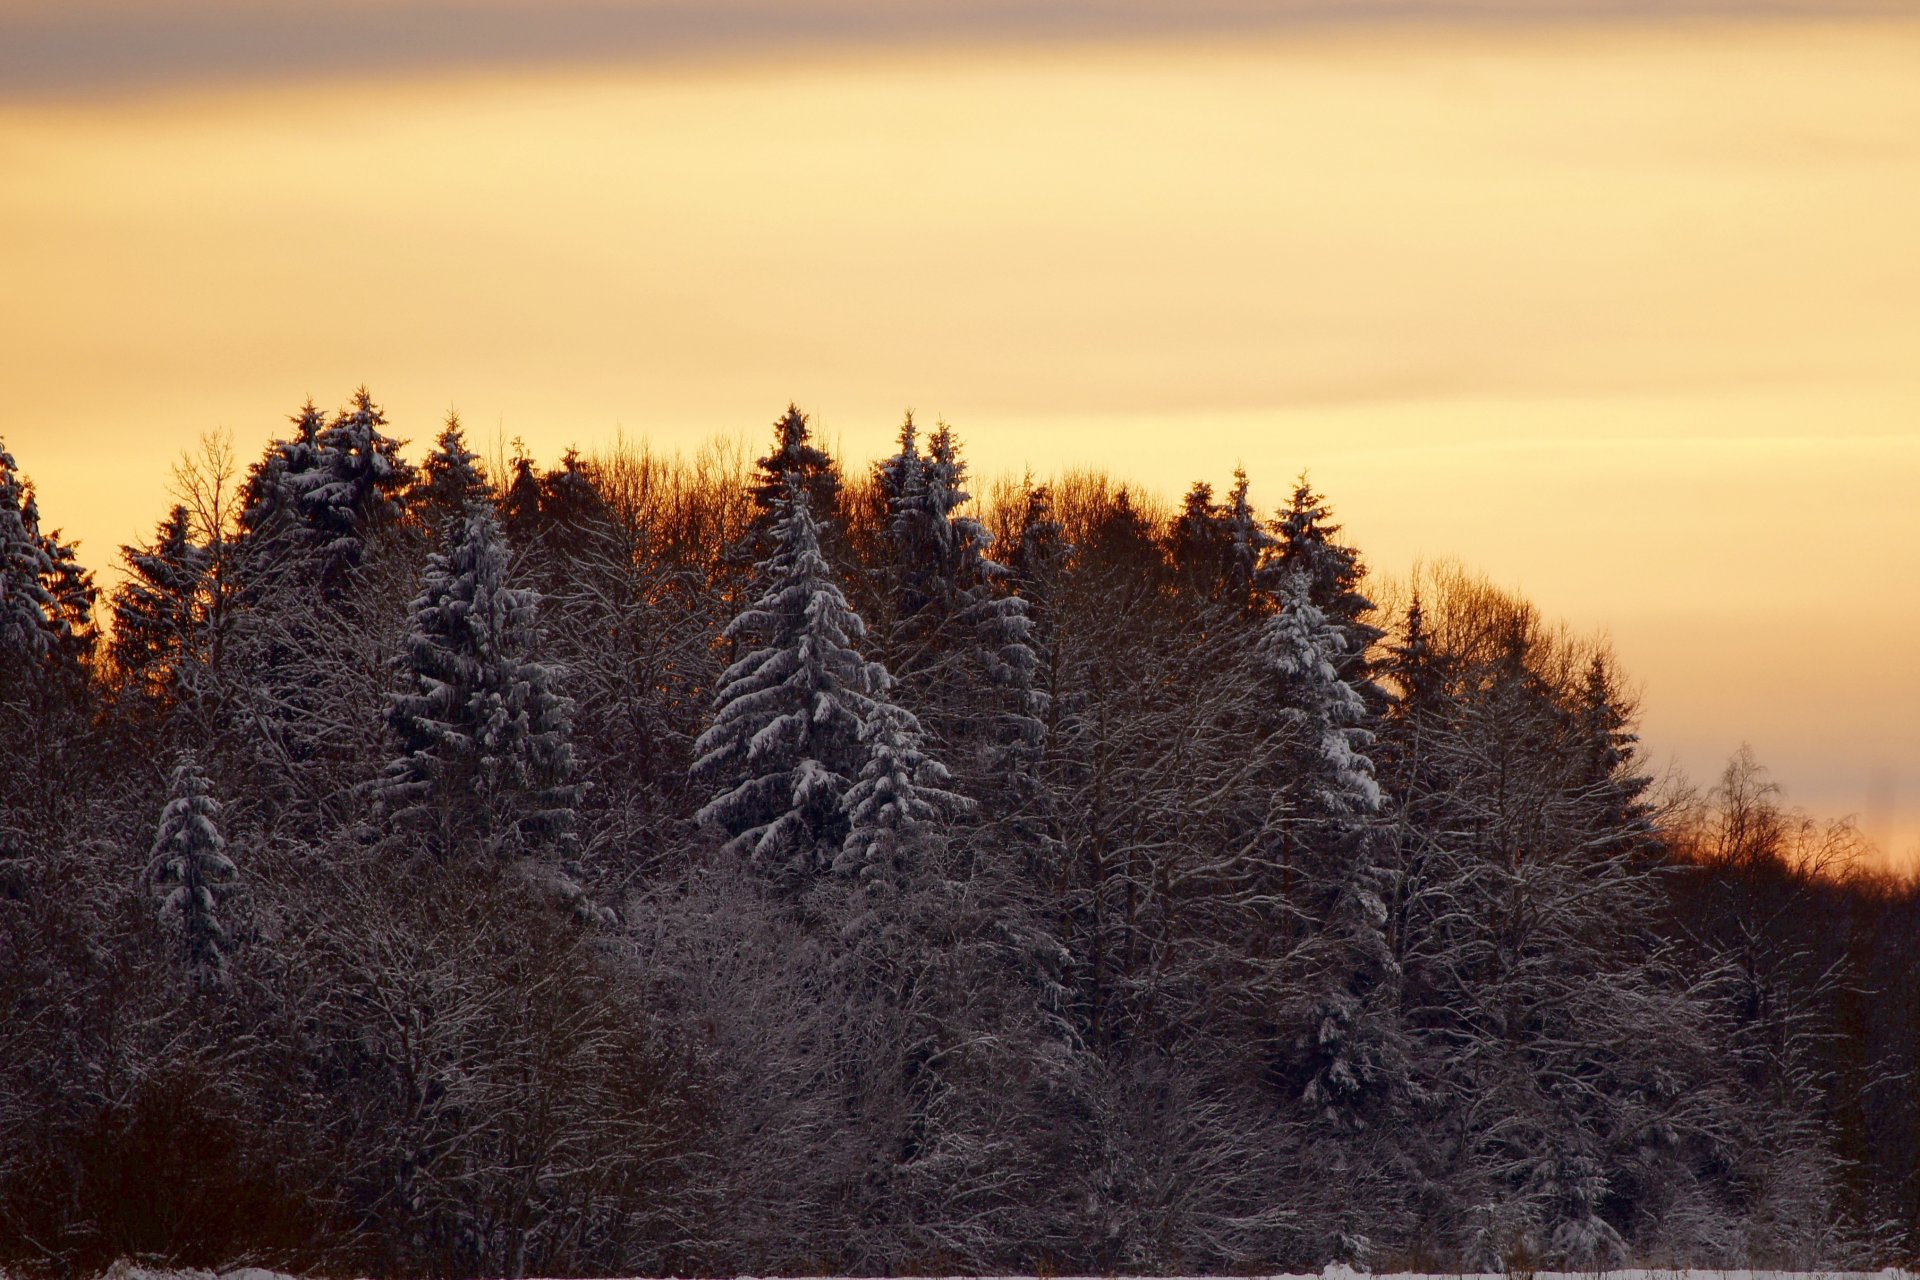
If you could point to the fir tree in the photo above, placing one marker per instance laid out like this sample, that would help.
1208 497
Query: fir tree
353 490
520 503
485 759
1197 544
452 480
785 743
157 609
1333 572
1322 714
794 458
192 876
269 502
1247 547
28 610
897 802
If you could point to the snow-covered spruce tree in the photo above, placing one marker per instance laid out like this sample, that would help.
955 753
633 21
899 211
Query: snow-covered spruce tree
1332 779
353 490
485 764
158 609
319 598
1304 539
962 641
452 481
314 500
27 606
1349 1055
1247 547
900 792
793 458
269 502
785 743
192 876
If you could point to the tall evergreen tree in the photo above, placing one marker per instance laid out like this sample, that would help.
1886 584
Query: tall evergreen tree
192 876
520 501
452 480
785 743
1197 544
1247 546
485 764
28 610
354 490
1331 777
896 804
796 458
269 502
1305 541
157 609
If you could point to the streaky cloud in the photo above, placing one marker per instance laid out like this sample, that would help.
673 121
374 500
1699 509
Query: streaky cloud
114 46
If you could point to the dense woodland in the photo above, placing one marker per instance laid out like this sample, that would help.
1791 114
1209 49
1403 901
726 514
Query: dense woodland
653 865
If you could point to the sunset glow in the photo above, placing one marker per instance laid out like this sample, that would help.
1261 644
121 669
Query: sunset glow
1625 316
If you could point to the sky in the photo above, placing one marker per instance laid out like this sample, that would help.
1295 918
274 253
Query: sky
1617 303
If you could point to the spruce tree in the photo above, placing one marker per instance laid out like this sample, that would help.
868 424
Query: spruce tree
1322 714
192 876
520 502
1197 544
900 796
785 743
1247 547
353 490
793 458
452 480
157 609
269 502
485 764
963 639
27 607
1305 541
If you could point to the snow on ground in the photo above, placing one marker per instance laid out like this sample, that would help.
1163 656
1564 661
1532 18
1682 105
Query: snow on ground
133 1271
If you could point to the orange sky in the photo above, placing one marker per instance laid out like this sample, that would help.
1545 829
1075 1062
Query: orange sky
1626 315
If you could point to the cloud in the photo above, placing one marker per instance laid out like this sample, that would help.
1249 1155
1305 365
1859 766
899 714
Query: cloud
62 47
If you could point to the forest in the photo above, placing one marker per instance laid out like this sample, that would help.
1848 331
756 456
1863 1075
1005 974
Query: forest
699 864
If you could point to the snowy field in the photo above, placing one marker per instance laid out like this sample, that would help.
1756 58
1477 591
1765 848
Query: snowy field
124 1271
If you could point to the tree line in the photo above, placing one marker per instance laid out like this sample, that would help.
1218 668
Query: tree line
654 865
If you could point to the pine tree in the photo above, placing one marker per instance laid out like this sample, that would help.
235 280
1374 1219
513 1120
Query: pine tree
157 609
28 610
485 760
1333 571
1322 714
353 489
520 503
193 877
785 742
900 795
452 480
1197 544
1247 547
795 458
269 502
